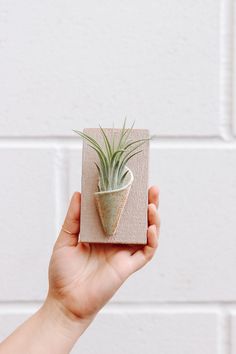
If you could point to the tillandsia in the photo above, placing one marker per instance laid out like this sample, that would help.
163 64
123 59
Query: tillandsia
113 156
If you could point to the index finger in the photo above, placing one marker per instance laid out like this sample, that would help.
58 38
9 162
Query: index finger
153 195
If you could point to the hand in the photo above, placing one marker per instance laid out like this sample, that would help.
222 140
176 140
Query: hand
84 276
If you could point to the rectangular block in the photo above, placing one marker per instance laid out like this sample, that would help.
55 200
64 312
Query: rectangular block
78 66
27 222
197 242
98 226
152 332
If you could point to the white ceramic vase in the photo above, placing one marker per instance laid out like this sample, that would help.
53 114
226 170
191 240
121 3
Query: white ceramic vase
110 204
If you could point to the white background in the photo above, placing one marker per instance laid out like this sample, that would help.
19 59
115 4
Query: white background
168 65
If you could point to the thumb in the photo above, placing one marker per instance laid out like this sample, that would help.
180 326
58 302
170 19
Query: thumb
69 233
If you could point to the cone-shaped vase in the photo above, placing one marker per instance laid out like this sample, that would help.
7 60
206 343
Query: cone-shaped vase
110 205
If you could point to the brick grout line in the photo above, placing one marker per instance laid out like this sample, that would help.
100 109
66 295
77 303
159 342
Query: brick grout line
223 309
226 66
68 139
67 143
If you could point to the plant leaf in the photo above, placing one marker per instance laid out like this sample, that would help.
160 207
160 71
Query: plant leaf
103 162
123 177
113 157
100 180
128 131
121 134
91 140
124 162
107 143
135 142
113 139
124 157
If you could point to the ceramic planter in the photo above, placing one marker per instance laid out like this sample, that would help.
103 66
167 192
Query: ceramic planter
110 205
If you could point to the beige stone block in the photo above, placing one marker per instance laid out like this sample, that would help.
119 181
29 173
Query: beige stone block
132 226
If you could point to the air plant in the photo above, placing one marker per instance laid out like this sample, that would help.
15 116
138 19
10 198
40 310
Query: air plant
113 157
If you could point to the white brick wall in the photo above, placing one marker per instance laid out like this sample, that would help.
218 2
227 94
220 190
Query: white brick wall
232 329
169 65
69 65
27 221
152 330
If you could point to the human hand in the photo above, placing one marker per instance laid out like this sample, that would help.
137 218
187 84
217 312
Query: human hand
84 276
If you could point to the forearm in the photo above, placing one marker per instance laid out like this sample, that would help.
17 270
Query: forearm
49 330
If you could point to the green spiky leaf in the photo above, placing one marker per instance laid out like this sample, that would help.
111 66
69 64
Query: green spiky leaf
113 158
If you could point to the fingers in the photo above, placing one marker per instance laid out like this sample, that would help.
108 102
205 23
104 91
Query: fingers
71 224
153 195
144 255
153 198
152 214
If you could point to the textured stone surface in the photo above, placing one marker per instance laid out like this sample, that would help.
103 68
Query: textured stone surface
65 67
133 222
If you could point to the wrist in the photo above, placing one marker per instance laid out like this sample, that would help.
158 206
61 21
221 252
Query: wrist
50 330
58 320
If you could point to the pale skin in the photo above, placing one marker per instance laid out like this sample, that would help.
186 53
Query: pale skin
82 279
